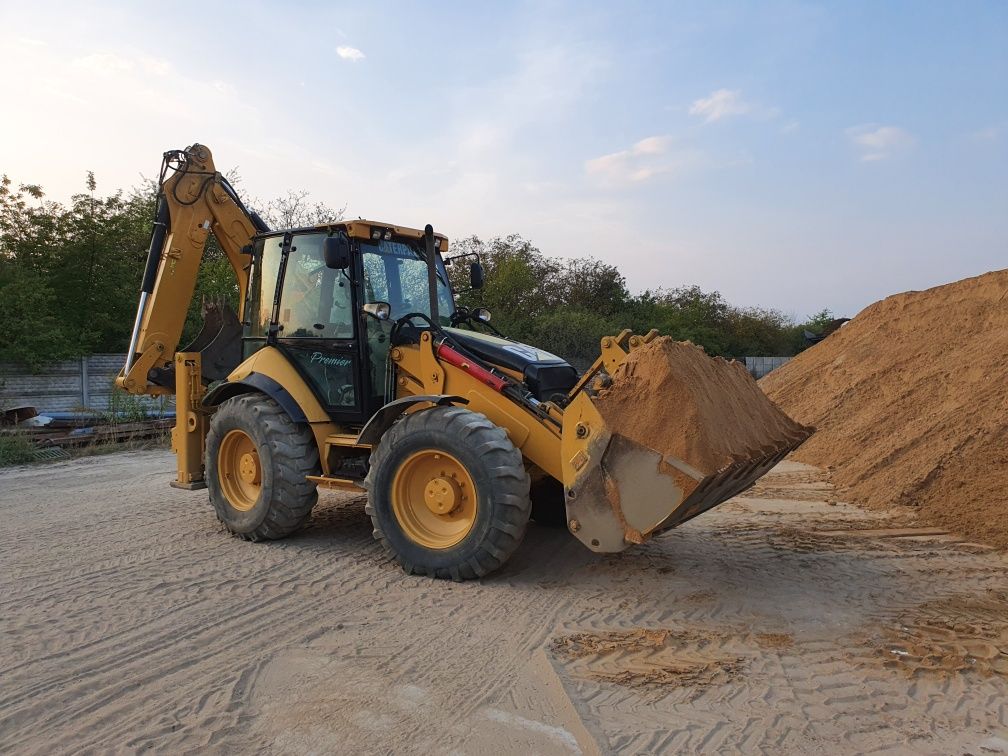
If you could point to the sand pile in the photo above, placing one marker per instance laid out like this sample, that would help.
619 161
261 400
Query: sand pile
672 397
911 404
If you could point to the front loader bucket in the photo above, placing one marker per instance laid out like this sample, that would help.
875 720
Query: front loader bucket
676 434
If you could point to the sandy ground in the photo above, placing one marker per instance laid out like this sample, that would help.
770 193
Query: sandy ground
780 623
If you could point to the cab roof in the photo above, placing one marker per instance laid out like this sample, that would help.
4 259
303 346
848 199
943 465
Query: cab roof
365 229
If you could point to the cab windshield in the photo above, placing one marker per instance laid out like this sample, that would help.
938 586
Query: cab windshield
396 273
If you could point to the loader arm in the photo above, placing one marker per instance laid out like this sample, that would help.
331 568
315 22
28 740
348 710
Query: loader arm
193 202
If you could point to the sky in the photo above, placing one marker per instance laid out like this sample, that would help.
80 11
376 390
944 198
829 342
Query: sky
791 155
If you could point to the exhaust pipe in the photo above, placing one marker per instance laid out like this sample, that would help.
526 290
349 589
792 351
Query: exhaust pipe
431 272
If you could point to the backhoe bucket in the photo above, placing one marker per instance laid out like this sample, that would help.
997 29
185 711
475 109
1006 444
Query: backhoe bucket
675 434
218 343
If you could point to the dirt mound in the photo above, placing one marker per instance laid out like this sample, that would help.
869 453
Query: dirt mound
672 397
910 400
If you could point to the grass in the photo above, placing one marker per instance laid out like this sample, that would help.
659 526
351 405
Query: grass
122 408
16 450
129 408
111 447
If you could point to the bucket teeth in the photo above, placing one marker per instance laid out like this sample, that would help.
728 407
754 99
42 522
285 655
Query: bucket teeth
732 479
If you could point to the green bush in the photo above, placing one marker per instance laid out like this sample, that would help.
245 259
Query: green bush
16 450
70 275
125 408
566 306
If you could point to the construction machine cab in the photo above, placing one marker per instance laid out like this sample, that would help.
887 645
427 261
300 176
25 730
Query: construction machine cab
315 294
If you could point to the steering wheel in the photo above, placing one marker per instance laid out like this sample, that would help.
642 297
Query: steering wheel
410 316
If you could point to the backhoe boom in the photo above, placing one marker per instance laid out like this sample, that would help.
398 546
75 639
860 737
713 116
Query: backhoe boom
193 202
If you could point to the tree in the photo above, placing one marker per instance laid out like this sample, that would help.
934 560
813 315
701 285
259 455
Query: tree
70 278
30 230
296 209
102 255
567 306
70 275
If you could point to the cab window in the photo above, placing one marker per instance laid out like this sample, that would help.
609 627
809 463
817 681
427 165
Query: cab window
316 300
262 287
397 273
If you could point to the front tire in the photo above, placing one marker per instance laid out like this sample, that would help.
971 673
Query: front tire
448 494
257 463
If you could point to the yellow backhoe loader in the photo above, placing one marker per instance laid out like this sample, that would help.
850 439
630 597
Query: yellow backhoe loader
349 366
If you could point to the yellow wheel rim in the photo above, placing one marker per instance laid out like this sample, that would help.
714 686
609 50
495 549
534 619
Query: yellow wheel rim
239 470
434 499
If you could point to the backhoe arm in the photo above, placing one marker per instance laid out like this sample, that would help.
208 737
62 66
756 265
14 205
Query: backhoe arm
193 202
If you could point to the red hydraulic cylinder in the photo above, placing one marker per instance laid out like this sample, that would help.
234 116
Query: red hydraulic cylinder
481 374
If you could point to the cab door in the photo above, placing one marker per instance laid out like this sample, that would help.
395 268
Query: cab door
394 272
315 326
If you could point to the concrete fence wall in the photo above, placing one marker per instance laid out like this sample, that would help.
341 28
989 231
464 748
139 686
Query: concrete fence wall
84 383
760 366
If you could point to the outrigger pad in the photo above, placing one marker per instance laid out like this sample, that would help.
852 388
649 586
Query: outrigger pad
196 485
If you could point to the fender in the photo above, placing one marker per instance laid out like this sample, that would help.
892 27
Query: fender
261 383
383 419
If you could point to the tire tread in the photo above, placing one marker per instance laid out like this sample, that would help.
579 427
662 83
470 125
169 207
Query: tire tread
295 457
509 489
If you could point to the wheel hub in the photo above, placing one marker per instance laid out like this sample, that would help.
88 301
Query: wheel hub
239 470
248 468
434 499
442 495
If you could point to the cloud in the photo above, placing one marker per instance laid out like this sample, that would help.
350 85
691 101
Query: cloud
349 53
876 142
644 160
483 152
989 134
721 103
113 65
153 104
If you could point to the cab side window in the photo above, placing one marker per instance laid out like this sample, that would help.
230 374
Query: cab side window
316 300
262 287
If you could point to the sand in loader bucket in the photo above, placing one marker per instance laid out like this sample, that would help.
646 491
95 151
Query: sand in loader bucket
674 398
704 424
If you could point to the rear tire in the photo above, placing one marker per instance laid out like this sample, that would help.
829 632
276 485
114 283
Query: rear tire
422 473
257 460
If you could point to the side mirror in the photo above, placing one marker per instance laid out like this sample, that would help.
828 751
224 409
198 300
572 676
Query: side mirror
378 310
481 314
476 275
336 250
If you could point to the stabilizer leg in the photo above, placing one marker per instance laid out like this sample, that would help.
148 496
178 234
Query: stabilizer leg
190 430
